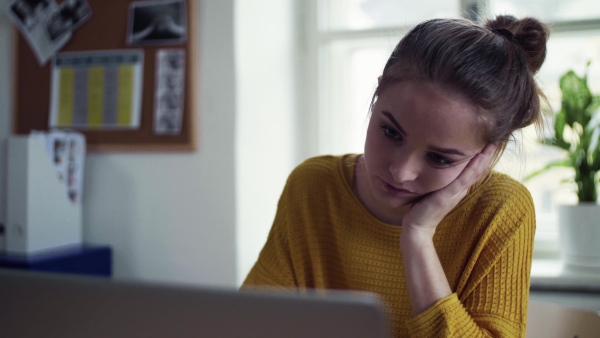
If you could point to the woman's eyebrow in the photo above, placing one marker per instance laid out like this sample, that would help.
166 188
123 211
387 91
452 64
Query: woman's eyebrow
448 151
393 120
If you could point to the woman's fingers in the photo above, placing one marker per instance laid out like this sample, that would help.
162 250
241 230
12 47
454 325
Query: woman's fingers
429 211
478 165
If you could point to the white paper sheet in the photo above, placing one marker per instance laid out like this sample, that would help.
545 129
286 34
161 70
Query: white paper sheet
66 150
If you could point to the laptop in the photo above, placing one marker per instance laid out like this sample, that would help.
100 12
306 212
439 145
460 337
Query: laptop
45 305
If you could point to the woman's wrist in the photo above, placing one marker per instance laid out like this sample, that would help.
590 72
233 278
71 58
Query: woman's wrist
414 238
426 281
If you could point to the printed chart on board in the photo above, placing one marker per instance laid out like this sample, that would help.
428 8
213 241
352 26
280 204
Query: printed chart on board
97 90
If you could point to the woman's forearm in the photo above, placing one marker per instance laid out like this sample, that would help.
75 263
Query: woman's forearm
425 278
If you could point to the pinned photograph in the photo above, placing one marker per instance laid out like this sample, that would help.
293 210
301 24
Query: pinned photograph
170 91
31 17
48 26
70 15
28 13
157 22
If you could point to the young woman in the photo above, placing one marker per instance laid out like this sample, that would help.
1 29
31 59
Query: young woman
420 218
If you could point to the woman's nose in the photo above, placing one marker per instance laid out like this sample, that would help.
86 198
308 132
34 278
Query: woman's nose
404 168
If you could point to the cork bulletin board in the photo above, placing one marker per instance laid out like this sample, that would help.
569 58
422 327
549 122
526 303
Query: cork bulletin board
106 30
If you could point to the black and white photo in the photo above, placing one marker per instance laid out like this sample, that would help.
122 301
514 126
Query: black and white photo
70 15
46 25
157 22
27 13
170 85
32 17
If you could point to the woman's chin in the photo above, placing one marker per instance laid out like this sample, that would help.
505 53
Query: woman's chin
399 203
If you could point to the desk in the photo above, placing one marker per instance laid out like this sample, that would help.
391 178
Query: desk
550 320
92 260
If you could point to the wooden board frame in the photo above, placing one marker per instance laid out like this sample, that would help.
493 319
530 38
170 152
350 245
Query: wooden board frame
106 30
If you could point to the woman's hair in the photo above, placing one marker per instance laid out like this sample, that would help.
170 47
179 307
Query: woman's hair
490 65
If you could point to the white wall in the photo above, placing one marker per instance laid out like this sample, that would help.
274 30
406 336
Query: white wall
169 217
266 58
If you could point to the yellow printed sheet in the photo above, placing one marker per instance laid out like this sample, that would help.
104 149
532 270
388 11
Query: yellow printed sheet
97 90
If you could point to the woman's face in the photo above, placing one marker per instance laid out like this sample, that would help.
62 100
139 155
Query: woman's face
420 138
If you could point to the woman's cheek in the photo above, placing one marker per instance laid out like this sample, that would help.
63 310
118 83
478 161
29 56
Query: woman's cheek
440 178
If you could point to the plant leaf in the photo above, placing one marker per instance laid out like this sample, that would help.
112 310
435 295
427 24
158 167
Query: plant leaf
564 163
559 128
576 97
577 130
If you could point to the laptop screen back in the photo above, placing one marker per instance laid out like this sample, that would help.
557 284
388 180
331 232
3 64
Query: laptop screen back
38 305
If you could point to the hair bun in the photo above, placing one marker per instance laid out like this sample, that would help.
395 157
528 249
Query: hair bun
529 33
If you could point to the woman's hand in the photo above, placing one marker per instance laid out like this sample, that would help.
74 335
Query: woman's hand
424 216
426 281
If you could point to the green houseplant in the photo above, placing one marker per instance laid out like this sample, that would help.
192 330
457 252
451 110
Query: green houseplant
577 132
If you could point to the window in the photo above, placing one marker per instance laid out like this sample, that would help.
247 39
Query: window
350 41
575 40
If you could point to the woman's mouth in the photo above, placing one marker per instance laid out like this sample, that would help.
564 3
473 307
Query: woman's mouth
395 191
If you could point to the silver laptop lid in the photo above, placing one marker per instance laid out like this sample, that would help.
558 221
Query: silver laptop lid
40 305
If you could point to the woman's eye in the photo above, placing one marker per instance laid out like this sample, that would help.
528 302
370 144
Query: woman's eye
390 133
440 161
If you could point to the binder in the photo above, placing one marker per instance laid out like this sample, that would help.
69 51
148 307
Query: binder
40 214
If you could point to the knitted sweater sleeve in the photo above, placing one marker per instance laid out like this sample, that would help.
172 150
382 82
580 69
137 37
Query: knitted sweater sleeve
492 300
274 267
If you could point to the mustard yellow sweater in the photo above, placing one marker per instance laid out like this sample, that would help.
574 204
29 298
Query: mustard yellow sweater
323 237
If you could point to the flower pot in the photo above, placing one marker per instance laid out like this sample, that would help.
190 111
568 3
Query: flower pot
579 236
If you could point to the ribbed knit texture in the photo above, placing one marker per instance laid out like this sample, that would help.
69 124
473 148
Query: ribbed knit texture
324 238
